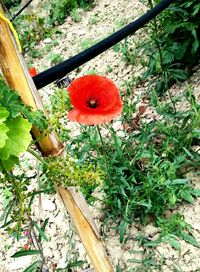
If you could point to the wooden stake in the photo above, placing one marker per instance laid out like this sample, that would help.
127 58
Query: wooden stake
92 243
17 76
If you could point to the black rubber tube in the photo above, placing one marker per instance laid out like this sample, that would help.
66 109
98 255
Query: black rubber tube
61 69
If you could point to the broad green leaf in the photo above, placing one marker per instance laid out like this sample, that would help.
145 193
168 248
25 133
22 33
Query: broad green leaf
3 134
18 137
122 231
186 195
190 239
3 128
174 243
10 162
10 100
179 181
195 192
22 253
3 114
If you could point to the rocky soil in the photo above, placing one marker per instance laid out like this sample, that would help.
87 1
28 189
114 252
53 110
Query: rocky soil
64 245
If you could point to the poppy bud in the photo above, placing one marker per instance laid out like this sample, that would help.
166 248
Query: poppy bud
32 71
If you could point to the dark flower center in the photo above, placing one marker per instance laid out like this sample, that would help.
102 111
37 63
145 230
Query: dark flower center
92 103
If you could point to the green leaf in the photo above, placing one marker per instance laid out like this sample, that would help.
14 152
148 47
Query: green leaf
190 239
3 128
195 192
188 153
43 228
10 162
3 134
195 45
33 267
10 100
179 181
3 114
77 263
22 253
174 243
41 232
186 195
118 269
122 231
18 137
36 118
153 243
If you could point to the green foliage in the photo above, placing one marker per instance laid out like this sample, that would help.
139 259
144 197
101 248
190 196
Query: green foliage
33 28
14 128
11 3
13 216
141 170
69 172
172 48
60 104
16 216
55 58
22 253
174 228
11 101
59 10
18 139
127 51
144 168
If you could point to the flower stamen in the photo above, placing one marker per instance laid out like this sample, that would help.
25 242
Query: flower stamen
92 104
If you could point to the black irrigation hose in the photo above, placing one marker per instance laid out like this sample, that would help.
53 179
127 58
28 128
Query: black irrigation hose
60 70
17 14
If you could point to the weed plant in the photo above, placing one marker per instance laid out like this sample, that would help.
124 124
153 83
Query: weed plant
11 3
145 168
172 48
33 28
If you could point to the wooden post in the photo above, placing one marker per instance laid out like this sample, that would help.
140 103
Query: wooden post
17 76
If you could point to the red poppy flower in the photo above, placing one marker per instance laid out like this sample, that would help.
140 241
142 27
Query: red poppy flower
95 99
32 71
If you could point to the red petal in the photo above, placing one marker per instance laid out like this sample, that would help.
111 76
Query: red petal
93 86
94 119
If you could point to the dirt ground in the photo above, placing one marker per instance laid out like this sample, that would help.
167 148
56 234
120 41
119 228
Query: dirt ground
64 245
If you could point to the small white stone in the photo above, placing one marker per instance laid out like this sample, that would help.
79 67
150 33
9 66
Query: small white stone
47 40
82 32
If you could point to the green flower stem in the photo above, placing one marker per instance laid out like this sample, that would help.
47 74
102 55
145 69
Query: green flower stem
103 148
101 139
